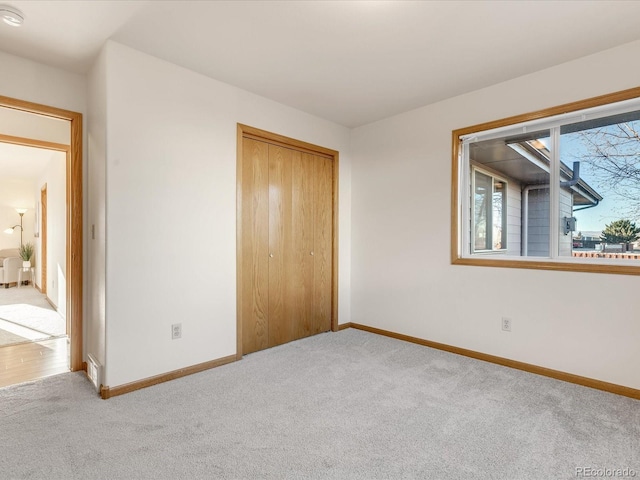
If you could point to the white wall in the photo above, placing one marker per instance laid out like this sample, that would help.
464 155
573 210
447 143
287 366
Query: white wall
16 194
35 82
95 251
170 192
402 277
54 177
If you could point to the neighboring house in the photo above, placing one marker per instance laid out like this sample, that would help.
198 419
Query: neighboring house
588 240
516 172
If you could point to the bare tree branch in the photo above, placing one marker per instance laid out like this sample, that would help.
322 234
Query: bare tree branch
613 153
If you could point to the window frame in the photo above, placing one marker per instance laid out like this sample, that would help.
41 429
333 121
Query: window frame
462 180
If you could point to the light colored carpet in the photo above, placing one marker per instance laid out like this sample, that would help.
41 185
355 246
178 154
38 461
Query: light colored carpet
347 405
25 312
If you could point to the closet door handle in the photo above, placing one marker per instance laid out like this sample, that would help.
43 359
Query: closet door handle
311 254
271 255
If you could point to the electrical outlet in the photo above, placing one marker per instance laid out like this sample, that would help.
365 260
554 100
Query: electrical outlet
506 324
176 331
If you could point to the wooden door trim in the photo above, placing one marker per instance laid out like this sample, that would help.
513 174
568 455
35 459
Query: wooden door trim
269 137
32 142
280 140
74 214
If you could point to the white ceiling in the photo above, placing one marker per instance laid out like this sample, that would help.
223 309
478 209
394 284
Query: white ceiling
352 62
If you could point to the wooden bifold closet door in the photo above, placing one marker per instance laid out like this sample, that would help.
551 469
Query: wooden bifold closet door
286 244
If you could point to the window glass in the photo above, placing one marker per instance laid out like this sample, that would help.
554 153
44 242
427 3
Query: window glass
600 186
482 211
489 213
520 203
499 230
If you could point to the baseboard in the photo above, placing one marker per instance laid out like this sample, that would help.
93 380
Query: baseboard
53 305
344 325
527 367
106 392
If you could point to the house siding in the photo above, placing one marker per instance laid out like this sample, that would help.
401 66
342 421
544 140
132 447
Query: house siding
538 223
514 218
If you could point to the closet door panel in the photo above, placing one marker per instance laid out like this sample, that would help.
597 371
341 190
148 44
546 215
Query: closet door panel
281 314
302 271
254 246
286 245
323 241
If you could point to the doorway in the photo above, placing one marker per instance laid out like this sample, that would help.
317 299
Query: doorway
287 264
72 296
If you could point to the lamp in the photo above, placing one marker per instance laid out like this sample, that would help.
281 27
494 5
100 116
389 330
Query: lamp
21 212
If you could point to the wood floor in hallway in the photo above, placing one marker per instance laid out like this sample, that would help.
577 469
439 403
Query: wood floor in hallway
32 360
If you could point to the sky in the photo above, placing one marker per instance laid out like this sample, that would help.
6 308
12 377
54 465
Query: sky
613 206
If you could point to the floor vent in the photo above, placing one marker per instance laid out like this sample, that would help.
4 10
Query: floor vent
94 372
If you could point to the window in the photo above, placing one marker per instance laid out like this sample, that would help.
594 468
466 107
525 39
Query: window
489 212
557 189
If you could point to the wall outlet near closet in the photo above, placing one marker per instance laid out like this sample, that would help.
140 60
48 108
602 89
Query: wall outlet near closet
176 331
506 324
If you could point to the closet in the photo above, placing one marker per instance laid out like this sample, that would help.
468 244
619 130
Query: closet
286 208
